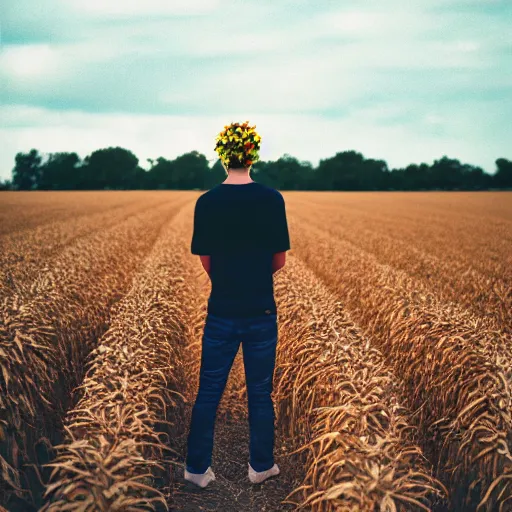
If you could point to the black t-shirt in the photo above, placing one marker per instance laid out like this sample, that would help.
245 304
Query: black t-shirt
240 227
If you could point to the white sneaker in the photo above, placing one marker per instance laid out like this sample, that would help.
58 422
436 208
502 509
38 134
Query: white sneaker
257 477
201 479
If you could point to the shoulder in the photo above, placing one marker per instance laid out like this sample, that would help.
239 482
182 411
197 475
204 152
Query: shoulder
205 197
272 193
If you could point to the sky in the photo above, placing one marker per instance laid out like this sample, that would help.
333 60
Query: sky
407 82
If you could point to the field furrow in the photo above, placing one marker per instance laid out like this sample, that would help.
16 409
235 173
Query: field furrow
450 280
132 394
338 400
25 210
139 378
44 342
23 255
393 378
434 223
456 373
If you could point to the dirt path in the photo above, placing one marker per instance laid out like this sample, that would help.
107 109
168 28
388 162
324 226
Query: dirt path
232 491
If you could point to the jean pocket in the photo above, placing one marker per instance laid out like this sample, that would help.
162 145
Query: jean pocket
264 326
217 327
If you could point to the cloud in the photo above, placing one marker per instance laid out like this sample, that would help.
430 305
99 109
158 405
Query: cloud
131 8
28 61
434 73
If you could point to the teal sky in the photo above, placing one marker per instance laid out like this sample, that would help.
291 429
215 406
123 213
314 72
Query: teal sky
403 81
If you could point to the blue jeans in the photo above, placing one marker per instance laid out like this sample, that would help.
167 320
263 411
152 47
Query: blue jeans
221 339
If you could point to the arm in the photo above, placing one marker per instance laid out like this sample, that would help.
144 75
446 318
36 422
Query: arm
278 261
201 241
205 261
280 236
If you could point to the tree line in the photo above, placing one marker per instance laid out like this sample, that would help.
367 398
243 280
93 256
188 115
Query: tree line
116 168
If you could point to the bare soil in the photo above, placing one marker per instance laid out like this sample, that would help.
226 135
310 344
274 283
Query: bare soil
231 490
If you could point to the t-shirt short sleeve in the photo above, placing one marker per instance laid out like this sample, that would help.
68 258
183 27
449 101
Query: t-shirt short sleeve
279 235
201 237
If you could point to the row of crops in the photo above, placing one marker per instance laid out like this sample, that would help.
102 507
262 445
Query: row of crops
48 329
389 393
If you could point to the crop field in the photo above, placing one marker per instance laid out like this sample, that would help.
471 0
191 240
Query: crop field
393 377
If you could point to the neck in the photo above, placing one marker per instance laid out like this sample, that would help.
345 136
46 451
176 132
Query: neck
238 176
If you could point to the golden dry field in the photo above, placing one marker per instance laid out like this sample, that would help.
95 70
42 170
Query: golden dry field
393 379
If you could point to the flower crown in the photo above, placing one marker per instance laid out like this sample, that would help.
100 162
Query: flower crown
238 142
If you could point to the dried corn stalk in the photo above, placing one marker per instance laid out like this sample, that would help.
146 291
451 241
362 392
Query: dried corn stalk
44 342
337 399
112 457
455 372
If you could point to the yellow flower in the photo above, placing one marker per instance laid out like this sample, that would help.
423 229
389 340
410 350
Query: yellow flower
239 141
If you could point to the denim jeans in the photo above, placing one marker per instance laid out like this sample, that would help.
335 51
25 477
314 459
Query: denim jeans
220 343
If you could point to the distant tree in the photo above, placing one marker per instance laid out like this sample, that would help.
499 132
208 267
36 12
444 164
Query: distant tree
291 173
60 172
266 173
186 172
217 174
160 176
139 179
5 185
109 168
309 176
27 170
349 170
503 176
118 168
373 175
397 180
190 171
474 178
446 173
416 177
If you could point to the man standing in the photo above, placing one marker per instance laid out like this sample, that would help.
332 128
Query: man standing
241 235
